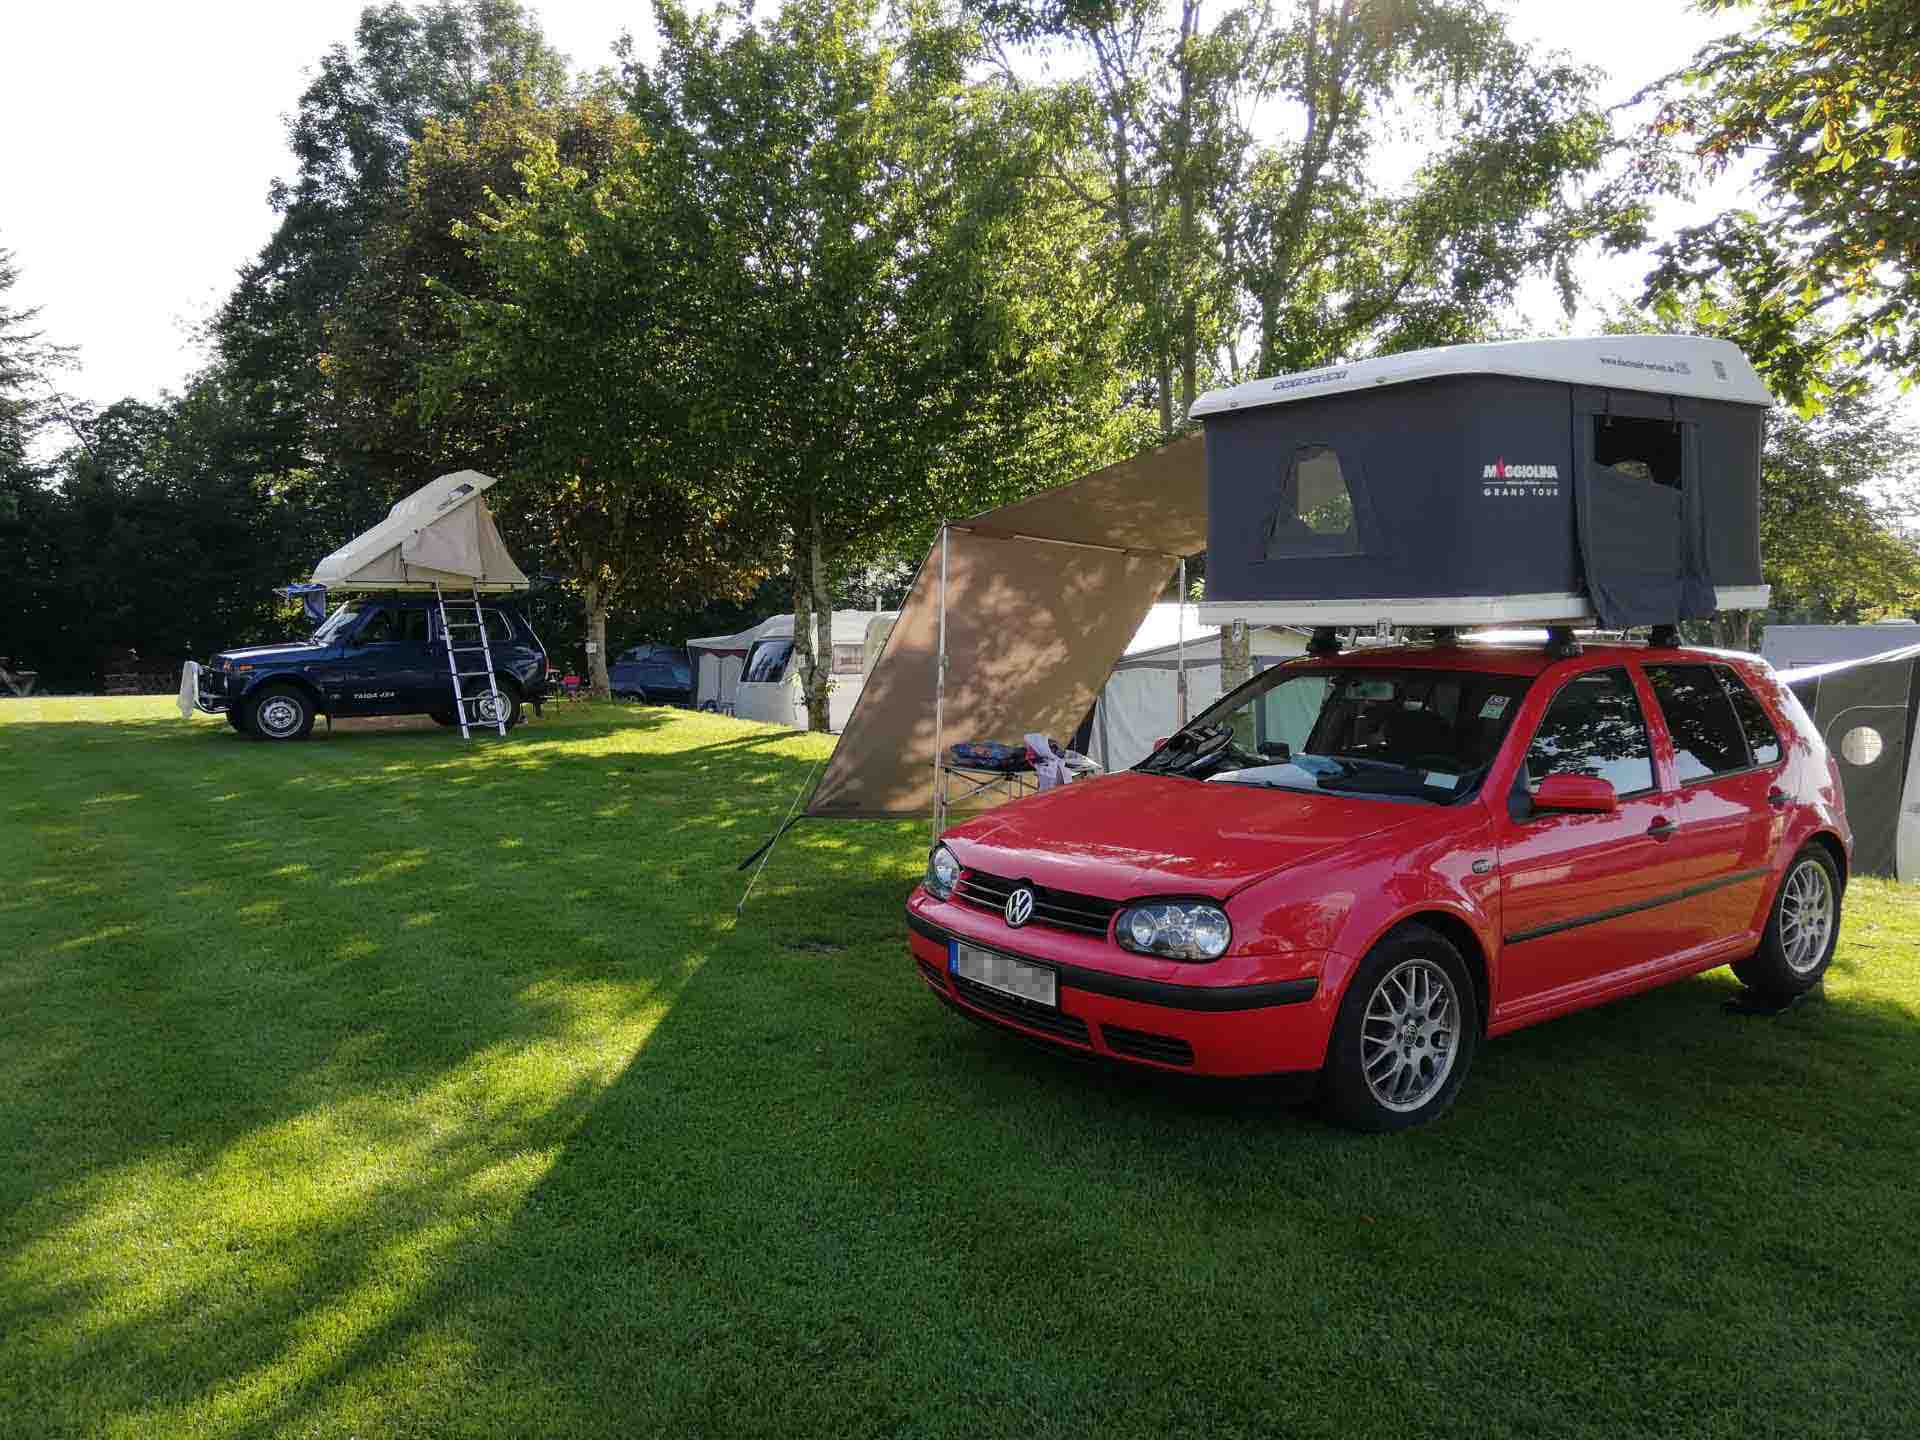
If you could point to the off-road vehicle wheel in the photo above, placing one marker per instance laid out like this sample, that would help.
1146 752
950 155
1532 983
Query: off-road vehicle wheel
280 712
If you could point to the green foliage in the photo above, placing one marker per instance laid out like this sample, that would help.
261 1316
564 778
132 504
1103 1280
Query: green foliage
1826 275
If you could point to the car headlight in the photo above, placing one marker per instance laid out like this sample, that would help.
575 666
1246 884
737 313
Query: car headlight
943 873
1178 929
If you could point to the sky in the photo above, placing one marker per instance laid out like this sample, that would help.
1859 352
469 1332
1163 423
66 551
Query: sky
141 139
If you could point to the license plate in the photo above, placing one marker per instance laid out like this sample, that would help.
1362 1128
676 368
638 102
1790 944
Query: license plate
1006 974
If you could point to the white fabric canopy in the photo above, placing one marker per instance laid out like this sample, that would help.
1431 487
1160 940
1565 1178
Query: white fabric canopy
441 534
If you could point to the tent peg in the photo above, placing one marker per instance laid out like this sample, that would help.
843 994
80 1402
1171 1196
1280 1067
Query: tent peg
1560 642
1324 641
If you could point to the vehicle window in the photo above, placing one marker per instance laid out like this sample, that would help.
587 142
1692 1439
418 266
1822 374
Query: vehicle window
1313 509
1392 734
340 623
1594 727
1707 738
382 628
768 662
1762 739
499 627
413 625
1644 449
847 659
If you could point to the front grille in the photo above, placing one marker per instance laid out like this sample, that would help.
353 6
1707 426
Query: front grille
1144 1045
932 975
1060 909
1070 1028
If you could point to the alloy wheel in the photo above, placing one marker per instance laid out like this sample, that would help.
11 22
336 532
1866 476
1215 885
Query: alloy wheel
1409 1035
1806 916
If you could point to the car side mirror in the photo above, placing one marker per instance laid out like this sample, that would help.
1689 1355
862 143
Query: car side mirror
1581 794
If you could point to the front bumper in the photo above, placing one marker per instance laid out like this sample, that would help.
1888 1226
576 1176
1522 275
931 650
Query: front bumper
212 695
1266 1028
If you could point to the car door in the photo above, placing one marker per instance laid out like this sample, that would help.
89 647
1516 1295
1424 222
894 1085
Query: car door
1580 892
368 682
1726 765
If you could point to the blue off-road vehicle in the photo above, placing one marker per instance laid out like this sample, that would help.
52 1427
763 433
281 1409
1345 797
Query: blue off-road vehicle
381 655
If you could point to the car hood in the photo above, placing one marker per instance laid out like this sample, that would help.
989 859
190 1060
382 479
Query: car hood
1127 835
257 654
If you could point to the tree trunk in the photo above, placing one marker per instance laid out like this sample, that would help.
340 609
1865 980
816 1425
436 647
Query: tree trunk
1733 629
812 625
1236 655
1163 377
596 641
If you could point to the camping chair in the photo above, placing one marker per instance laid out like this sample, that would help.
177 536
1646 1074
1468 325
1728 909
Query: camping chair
572 687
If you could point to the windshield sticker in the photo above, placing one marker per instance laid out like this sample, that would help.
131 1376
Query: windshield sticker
1495 707
1442 781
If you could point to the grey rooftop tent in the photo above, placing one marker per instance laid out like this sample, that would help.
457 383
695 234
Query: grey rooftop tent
1614 479
1866 710
441 534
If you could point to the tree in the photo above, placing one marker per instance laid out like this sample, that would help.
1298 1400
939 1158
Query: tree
1215 236
1826 275
906 325
581 314
351 135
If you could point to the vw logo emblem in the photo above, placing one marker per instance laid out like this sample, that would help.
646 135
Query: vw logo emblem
1020 906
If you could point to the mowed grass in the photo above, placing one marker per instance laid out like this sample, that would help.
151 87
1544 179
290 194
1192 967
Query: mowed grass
387 1085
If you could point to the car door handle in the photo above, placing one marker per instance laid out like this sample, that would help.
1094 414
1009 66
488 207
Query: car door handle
1777 798
1661 829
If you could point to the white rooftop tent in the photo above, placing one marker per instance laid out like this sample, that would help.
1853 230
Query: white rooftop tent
442 534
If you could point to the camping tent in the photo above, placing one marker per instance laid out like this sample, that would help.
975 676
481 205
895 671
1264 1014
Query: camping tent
1139 704
718 661
1866 710
1790 647
441 534
1513 483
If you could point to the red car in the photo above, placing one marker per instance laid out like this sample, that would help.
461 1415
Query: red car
1355 868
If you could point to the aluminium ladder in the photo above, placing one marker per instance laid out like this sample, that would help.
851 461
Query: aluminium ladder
466 706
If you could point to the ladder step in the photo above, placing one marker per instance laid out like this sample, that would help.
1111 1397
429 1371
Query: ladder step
474 674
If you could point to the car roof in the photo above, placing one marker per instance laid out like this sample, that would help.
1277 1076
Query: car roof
1511 658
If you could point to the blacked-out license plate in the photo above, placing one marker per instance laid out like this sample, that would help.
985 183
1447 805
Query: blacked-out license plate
1006 974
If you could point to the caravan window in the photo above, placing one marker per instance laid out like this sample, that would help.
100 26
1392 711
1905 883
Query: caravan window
1313 511
1644 449
848 659
768 663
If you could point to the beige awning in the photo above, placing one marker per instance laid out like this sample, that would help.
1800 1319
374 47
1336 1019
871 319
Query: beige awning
1040 599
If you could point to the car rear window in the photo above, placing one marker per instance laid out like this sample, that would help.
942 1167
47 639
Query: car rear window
1762 739
1707 738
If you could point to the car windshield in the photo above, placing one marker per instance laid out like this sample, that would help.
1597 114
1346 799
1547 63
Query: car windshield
336 625
1390 734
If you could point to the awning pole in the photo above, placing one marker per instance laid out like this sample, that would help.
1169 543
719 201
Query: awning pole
940 702
1180 654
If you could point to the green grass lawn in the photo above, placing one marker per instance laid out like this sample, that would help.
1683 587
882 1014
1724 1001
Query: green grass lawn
387 1085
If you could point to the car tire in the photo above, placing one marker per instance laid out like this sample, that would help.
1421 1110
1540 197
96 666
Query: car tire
280 712
1405 1036
482 716
1802 929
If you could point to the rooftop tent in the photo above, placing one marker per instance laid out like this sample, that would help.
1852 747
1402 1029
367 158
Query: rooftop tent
1567 480
1030 605
1866 711
441 534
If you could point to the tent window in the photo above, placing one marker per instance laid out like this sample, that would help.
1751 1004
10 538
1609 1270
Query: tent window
768 663
1644 449
1313 511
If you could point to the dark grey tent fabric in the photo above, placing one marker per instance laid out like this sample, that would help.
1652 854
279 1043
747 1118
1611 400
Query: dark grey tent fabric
1877 697
1487 485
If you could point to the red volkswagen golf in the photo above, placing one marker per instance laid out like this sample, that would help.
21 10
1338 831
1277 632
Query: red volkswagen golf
1357 867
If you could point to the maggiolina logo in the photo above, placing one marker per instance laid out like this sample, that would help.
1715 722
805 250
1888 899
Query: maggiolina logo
1500 480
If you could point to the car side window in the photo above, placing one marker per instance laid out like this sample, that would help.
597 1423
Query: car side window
499 628
1707 737
1762 739
413 624
381 628
1594 727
